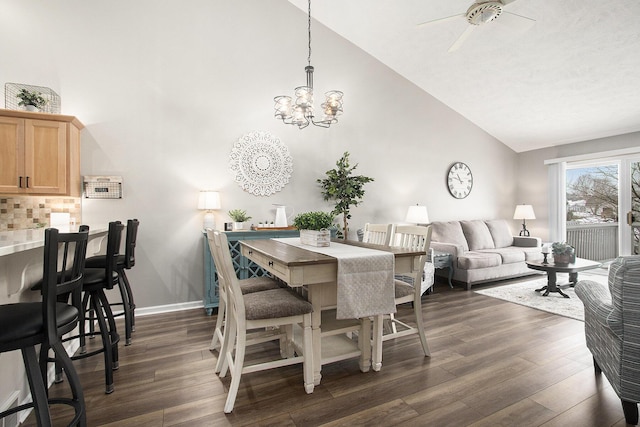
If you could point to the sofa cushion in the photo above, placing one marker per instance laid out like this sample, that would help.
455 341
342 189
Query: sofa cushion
471 260
500 233
449 232
509 255
477 234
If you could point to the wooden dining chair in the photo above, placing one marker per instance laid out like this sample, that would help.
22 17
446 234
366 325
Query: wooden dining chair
275 309
247 286
379 234
408 286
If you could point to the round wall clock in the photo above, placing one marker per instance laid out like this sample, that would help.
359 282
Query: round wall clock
459 180
261 163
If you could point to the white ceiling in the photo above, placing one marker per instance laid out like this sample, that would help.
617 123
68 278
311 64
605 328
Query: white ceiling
572 76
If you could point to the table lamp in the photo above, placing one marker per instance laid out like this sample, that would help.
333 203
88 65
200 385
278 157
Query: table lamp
417 215
209 201
524 212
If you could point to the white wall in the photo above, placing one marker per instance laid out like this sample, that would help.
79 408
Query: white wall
166 88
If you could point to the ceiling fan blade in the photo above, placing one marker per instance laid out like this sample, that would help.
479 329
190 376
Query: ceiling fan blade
505 2
519 16
456 45
440 20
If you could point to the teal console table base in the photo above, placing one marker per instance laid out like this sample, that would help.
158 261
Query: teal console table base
244 268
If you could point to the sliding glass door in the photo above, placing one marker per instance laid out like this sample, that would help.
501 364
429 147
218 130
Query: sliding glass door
593 208
630 207
602 207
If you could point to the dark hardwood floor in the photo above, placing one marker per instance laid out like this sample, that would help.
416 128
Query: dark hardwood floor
493 363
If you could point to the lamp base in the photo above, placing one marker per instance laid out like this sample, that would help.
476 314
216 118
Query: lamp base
209 221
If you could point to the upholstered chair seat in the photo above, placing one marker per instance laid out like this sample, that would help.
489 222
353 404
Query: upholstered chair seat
257 284
403 289
274 303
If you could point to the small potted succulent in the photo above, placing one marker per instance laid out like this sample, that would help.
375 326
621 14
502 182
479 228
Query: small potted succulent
239 217
314 227
32 101
563 253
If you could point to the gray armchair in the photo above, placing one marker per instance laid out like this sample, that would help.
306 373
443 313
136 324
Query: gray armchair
612 329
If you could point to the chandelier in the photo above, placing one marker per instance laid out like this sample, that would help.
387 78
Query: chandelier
301 113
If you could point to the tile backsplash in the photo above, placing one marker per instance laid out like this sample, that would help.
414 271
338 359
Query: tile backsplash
23 212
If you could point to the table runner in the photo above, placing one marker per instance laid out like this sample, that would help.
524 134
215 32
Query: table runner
365 278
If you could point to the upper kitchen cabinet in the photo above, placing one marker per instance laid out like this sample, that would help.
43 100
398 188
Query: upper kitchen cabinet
39 153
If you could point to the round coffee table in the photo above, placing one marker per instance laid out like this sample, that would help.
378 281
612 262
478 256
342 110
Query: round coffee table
552 269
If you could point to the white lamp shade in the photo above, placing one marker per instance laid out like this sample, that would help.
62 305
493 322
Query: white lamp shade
209 200
524 212
417 215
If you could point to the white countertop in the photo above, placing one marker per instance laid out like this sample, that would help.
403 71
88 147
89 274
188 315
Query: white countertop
12 242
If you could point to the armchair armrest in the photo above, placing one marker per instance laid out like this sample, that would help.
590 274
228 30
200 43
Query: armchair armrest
527 242
597 302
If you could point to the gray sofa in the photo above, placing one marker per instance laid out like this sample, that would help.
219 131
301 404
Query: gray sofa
485 251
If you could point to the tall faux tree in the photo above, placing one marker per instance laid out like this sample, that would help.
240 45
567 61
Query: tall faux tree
346 189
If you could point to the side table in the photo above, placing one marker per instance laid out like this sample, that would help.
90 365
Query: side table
442 260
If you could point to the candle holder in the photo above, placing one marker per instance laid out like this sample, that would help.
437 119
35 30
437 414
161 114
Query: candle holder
544 261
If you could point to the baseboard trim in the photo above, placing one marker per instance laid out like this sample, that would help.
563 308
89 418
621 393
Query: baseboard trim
145 311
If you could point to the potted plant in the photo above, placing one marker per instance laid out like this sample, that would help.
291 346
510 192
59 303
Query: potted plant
563 253
314 227
32 101
239 217
345 188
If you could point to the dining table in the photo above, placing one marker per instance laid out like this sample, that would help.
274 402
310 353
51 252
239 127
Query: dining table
317 272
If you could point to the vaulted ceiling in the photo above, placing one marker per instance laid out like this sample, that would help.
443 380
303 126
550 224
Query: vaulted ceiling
543 73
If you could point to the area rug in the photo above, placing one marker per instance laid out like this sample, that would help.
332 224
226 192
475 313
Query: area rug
524 293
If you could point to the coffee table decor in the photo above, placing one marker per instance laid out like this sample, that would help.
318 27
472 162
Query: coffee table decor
563 253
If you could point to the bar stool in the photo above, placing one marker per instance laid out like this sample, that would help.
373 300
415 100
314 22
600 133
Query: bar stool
124 262
43 323
96 281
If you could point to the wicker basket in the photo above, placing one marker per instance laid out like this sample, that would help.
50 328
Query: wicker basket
321 238
11 90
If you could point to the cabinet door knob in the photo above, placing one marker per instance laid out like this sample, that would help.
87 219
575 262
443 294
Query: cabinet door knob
19 182
250 252
27 186
270 263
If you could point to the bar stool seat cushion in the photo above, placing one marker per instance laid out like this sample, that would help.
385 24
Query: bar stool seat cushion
94 278
25 320
99 261
275 303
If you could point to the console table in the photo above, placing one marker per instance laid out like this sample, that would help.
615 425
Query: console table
243 266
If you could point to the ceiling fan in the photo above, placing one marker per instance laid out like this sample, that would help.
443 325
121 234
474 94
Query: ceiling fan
481 13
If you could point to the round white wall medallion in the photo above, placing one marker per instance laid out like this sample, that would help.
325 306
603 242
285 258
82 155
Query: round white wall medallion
261 163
